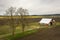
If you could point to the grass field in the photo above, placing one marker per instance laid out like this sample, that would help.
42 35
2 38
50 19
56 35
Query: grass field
5 30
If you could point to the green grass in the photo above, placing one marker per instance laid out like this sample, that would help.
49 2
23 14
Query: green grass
20 35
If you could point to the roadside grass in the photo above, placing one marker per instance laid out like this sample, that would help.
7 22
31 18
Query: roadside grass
20 35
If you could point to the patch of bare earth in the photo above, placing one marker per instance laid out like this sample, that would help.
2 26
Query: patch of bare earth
47 34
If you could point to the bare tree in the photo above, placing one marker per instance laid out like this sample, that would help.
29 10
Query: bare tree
10 13
22 14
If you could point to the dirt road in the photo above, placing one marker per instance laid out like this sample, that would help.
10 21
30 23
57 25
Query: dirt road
47 34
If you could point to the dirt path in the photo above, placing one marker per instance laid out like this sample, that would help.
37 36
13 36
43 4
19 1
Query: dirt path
47 34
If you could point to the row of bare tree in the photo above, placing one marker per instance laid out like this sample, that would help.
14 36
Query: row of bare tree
22 13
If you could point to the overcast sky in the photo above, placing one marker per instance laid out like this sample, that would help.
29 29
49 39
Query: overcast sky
35 7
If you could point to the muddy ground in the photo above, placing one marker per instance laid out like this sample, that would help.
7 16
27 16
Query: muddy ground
47 34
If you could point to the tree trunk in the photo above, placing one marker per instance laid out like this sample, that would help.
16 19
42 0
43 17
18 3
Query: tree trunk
13 30
23 27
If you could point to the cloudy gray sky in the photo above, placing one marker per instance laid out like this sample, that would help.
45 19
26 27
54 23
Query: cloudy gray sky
35 7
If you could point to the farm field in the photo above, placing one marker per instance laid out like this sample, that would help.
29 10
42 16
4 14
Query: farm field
32 24
44 34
